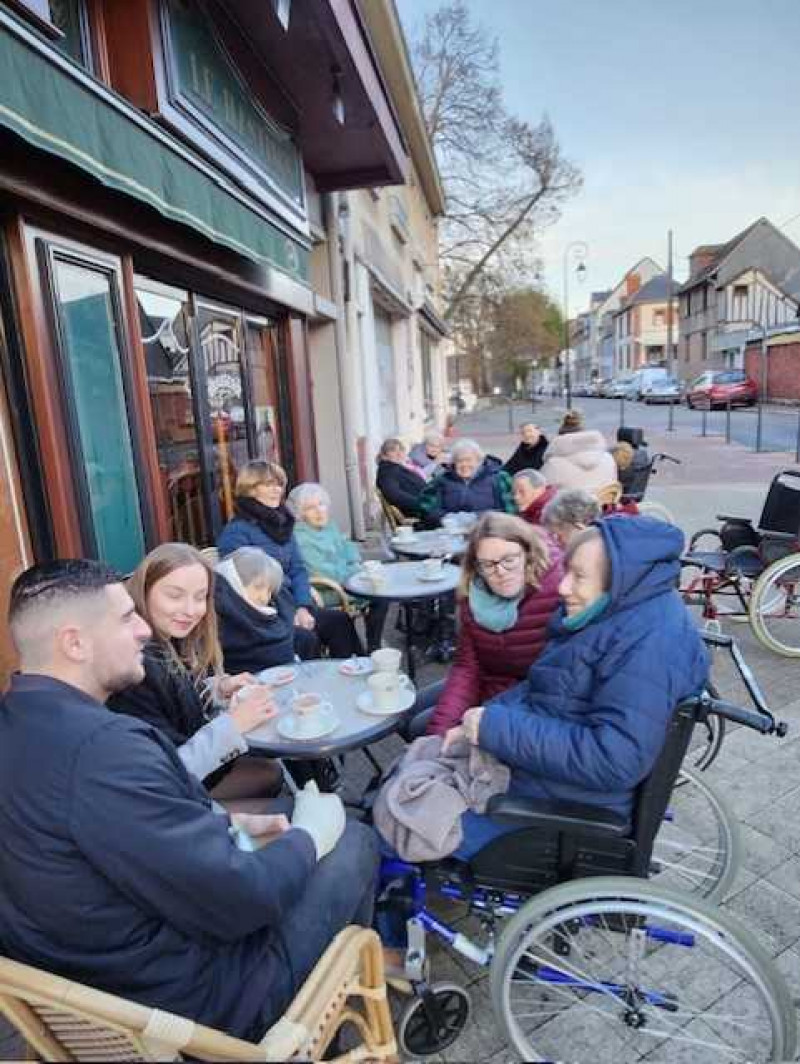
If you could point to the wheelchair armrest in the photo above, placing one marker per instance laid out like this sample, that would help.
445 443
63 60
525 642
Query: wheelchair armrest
559 816
781 537
734 520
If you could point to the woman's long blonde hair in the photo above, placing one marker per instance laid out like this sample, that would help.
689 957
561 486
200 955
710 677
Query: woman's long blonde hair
200 651
513 529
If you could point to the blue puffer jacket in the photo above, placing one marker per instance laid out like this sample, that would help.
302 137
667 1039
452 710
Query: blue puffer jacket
488 489
590 720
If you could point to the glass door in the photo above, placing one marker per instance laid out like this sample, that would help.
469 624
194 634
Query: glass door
184 477
88 327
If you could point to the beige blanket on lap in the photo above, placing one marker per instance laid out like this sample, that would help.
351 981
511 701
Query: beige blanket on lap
418 810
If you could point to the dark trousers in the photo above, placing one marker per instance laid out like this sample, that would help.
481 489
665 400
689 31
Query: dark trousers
340 891
334 630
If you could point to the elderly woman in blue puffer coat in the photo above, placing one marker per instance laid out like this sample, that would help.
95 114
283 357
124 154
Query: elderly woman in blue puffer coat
590 719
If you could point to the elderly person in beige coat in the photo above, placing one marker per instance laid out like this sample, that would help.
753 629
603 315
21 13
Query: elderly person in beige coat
579 460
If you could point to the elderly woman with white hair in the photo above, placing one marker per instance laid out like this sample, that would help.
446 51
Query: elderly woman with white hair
569 513
429 457
474 483
326 551
531 494
253 632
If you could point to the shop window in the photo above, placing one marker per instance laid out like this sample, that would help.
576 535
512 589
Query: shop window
268 418
71 18
165 338
89 326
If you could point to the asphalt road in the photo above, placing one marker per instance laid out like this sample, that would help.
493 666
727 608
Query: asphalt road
780 425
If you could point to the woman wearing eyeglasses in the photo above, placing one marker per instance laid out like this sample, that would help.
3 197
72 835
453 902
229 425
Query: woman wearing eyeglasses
509 589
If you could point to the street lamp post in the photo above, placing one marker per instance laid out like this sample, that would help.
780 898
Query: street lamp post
579 250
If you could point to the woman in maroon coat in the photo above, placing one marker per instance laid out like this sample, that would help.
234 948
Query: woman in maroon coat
509 589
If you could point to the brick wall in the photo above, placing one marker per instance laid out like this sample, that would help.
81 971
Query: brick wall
783 369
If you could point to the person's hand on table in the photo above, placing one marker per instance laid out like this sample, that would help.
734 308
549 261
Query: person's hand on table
258 826
321 815
467 730
227 686
303 618
251 707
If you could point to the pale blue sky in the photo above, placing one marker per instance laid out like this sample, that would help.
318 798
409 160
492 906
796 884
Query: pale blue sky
681 114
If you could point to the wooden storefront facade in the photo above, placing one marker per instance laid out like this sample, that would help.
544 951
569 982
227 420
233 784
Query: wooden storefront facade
154 244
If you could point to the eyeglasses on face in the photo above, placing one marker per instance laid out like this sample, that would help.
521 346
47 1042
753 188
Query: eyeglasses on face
508 563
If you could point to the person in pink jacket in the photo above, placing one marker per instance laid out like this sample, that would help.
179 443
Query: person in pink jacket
509 589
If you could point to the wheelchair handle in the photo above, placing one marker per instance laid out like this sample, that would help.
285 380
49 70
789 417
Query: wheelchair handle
660 456
767 723
759 721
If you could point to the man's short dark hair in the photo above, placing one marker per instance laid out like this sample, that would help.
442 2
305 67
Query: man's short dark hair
55 581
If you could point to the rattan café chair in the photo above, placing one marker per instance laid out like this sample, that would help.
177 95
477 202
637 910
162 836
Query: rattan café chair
63 1020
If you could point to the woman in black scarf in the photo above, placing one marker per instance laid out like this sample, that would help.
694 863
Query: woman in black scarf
263 520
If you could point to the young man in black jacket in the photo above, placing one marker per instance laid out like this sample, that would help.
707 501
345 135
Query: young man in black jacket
116 869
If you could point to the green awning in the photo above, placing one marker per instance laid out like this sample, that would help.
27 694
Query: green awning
60 115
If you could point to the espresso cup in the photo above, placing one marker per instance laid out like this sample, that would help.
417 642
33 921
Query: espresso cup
387 659
305 708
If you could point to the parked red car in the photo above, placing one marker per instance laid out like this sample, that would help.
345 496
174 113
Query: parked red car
719 388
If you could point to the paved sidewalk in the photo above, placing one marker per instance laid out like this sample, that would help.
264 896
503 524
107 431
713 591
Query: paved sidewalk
758 776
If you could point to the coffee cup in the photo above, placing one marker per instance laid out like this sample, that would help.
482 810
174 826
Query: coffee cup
386 660
405 532
373 567
385 688
432 567
306 708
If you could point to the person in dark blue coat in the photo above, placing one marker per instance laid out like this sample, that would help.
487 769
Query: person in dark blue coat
116 869
473 484
590 719
263 520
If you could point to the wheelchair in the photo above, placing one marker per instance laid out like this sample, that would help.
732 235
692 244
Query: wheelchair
635 479
593 955
752 573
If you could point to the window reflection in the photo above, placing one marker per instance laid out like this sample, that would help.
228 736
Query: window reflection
220 344
162 320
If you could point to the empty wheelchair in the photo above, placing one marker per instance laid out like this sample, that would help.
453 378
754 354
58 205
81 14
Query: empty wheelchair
593 954
752 573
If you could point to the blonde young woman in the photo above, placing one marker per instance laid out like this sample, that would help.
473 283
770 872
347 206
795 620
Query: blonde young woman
185 693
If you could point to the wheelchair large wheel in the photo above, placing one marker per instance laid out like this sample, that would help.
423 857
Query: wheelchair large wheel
775 607
697 849
616 969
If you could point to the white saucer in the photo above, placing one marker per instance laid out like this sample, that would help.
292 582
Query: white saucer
432 578
399 540
327 721
405 701
356 667
278 675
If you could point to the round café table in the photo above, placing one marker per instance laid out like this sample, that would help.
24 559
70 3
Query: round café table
430 543
405 584
355 729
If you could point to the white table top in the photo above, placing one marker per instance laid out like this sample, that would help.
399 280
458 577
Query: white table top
431 543
355 728
404 580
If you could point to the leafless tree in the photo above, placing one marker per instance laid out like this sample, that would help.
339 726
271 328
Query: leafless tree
505 179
